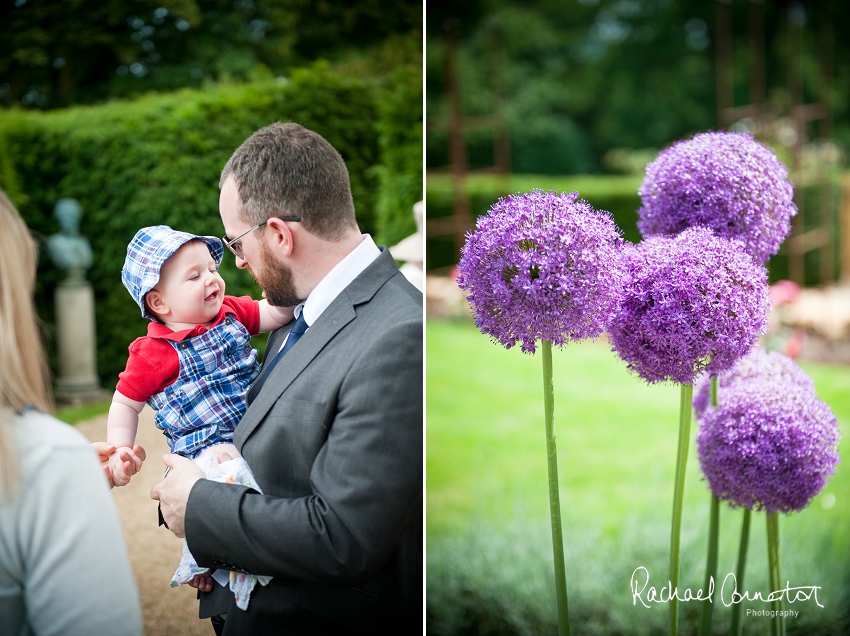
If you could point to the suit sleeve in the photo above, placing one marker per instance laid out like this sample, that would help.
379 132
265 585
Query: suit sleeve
366 482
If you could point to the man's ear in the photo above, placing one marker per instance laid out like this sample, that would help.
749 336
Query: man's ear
156 303
281 235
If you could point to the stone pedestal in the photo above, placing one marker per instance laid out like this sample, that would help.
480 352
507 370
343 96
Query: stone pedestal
75 338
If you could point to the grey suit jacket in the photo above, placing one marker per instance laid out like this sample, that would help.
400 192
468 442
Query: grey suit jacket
334 439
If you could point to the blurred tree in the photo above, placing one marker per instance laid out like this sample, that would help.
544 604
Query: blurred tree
585 76
325 27
467 14
51 50
57 52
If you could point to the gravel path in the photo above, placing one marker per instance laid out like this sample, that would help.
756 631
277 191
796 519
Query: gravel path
154 551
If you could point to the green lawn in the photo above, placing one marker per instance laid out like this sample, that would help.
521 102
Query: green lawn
487 492
588 185
75 414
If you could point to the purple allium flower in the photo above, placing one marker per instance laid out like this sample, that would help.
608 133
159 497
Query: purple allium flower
542 266
758 364
696 303
770 443
726 181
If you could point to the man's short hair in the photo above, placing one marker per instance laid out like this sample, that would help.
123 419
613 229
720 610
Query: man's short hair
287 170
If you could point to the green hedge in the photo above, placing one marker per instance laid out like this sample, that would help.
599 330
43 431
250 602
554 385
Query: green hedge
400 171
616 194
157 160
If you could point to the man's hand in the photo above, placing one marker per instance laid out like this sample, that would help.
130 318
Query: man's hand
173 491
131 460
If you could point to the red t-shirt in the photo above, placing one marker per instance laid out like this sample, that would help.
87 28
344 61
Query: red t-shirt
154 364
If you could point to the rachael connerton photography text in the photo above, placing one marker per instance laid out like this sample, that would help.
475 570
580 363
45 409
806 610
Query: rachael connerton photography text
729 594
773 613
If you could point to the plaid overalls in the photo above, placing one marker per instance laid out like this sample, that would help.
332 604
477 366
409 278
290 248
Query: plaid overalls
204 405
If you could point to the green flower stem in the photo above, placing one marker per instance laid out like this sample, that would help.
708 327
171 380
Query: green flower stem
678 494
707 609
737 625
777 627
554 498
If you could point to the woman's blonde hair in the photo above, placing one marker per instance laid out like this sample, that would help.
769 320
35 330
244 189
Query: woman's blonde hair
24 375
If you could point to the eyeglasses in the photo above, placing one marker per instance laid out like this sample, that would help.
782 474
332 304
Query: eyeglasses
235 245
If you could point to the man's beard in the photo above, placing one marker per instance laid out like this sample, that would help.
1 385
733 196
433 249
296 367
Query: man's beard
276 281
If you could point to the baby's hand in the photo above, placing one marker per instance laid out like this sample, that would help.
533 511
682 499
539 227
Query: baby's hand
132 461
223 452
123 464
202 582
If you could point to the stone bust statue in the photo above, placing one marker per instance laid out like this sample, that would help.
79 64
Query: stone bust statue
69 250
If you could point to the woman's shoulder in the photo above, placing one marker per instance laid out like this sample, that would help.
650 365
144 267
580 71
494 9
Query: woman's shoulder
51 452
42 434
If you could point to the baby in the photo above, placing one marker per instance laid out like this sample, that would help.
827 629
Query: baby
193 368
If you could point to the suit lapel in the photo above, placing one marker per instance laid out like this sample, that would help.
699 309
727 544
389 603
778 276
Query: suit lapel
338 314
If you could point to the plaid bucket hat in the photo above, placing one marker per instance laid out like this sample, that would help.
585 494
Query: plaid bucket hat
146 253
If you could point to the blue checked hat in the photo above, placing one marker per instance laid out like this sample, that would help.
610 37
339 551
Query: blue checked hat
146 253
